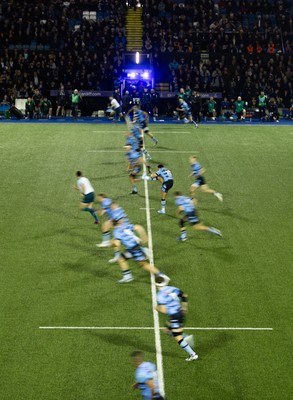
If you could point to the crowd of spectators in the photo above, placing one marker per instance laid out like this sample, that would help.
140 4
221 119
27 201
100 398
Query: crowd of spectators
248 45
47 43
81 43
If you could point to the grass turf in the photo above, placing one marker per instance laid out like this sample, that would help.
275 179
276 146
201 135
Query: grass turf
52 274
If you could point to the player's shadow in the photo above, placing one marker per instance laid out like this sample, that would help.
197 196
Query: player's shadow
218 341
106 178
83 266
220 252
128 339
62 212
227 212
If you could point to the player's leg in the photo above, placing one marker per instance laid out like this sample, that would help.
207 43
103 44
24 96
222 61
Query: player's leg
133 180
126 273
183 233
87 205
206 189
201 227
176 327
106 235
117 254
147 132
151 268
163 201
193 188
164 192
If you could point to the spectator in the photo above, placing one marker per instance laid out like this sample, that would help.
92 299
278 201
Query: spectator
37 98
29 108
273 110
154 100
240 111
212 113
76 100
61 101
145 101
126 102
262 105
195 104
46 108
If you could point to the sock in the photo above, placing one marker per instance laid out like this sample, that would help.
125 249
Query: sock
183 234
116 254
134 188
215 231
163 204
106 236
126 272
92 212
154 139
185 346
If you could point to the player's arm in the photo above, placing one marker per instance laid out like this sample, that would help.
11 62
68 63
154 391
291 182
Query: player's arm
184 301
146 116
161 308
179 211
115 243
201 172
141 232
150 383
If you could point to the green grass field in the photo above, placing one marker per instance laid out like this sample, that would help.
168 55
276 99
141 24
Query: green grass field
53 275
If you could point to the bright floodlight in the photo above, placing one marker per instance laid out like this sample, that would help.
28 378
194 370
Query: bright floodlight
131 75
137 57
145 75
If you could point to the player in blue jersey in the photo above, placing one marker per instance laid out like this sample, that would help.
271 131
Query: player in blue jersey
137 134
197 173
163 175
185 112
187 208
125 234
141 118
134 166
146 379
173 302
114 213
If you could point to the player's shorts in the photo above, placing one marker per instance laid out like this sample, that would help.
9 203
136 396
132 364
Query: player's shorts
117 111
140 143
192 218
135 170
136 253
199 182
176 320
186 114
89 198
144 127
166 186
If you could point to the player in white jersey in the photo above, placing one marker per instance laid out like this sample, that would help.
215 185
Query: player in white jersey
88 195
115 109
145 377
173 302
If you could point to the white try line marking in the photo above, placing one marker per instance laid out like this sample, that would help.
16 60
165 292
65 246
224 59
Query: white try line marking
151 328
159 355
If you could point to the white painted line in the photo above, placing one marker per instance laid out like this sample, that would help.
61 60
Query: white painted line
150 328
159 355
